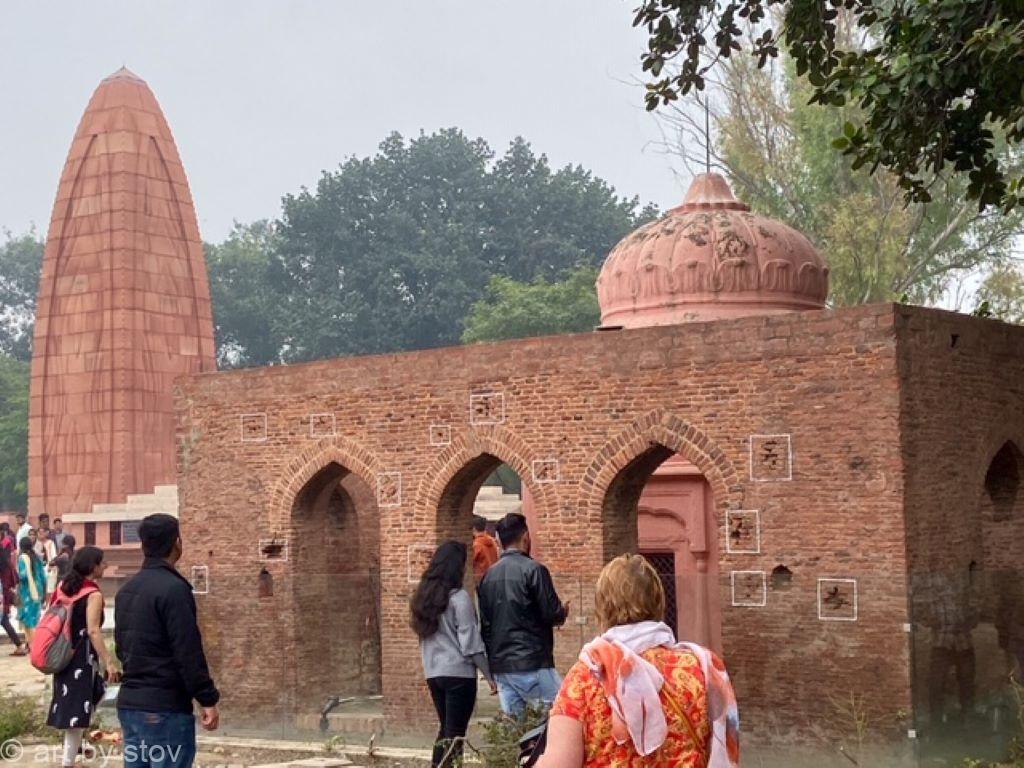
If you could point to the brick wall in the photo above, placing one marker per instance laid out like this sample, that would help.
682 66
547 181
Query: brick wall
963 401
583 419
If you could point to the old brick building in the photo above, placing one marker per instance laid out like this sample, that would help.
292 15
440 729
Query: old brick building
848 454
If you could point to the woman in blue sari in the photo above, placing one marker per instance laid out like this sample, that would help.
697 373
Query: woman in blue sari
31 587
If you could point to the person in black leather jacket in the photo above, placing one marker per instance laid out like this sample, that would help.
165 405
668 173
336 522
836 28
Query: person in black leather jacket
519 610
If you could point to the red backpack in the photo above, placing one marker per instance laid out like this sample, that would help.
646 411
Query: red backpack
52 646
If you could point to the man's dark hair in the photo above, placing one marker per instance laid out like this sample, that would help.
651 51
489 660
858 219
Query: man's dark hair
511 529
57 520
22 515
479 523
158 534
45 517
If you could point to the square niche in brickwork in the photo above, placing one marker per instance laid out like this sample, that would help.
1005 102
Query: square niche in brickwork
545 471
771 458
273 550
487 408
837 599
389 489
749 589
199 577
321 425
743 532
440 435
254 427
418 558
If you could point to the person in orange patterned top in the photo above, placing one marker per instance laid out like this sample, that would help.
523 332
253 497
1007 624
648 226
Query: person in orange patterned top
637 697
485 548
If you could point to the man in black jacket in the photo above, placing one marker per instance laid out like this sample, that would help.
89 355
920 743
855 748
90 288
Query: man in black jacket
519 609
161 653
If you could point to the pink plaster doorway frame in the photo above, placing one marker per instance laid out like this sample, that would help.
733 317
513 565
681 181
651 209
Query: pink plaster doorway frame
676 515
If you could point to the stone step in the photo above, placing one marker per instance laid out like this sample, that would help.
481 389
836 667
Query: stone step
343 722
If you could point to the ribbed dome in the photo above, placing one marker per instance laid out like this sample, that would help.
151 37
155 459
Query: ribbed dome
708 259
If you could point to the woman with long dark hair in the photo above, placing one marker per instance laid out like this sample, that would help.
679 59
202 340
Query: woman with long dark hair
31 587
78 688
444 619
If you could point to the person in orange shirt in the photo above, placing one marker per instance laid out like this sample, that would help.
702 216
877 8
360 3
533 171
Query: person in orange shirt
637 698
485 548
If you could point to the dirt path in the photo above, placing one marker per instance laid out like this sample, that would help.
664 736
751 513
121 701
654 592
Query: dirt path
18 677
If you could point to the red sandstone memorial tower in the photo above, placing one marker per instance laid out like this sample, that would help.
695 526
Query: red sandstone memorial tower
123 309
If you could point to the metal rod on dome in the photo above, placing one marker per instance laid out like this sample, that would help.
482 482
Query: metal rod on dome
707 136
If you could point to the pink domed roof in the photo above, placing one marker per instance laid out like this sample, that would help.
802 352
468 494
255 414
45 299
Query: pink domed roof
708 259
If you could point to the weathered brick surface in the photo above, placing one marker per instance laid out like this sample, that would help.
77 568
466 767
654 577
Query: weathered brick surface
608 407
962 401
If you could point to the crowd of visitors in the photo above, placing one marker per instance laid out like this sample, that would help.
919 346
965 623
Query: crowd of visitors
159 662
33 561
636 697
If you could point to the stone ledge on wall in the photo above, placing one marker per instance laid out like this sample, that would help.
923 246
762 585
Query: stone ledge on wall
163 500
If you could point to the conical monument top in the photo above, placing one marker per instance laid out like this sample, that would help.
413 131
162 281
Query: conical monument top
123 74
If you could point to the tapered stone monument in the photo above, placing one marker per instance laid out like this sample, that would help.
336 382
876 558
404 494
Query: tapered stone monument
123 309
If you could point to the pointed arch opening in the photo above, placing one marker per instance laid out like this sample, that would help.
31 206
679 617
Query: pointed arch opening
336 585
662 506
485 487
1003 480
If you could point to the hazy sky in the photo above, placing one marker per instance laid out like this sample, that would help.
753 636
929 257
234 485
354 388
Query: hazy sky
264 94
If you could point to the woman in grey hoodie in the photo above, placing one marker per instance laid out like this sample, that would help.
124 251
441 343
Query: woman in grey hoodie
444 619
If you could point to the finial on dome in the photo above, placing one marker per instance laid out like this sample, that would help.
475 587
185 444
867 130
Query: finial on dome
711 191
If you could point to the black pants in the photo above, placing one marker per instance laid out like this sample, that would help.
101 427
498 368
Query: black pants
454 699
5 622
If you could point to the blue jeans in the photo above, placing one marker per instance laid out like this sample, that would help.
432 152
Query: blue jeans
158 739
517 689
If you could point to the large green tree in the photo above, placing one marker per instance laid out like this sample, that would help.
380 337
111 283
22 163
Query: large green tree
390 252
777 150
245 298
937 81
21 259
14 376
515 310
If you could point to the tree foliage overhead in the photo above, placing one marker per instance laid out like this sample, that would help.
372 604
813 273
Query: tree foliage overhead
516 310
938 81
390 252
21 259
776 149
